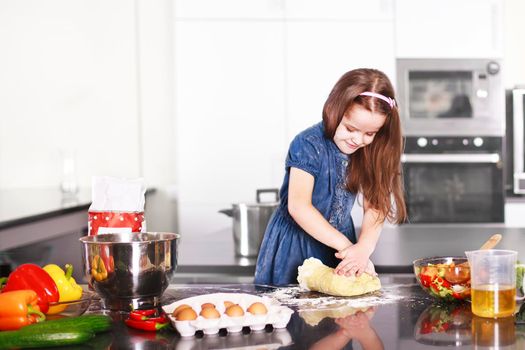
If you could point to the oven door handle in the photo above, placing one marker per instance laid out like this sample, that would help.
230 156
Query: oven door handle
451 158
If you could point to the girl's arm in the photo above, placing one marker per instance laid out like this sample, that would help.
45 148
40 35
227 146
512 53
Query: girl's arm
356 257
300 207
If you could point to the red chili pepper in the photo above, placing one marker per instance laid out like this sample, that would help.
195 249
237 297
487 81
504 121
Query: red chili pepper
139 317
31 276
145 325
148 312
161 319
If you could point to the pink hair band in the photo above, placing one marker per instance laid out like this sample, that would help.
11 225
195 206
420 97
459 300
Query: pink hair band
391 102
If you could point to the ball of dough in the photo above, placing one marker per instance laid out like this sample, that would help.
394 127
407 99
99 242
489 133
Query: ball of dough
316 276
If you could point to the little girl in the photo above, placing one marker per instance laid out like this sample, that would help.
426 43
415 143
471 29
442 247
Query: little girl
356 148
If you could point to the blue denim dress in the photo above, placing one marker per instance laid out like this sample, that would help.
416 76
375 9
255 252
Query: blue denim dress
285 244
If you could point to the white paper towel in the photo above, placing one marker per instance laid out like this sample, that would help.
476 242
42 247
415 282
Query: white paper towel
117 194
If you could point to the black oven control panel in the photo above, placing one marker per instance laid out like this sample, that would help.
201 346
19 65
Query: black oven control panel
455 144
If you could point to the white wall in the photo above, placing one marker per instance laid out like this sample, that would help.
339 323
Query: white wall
88 76
96 76
68 81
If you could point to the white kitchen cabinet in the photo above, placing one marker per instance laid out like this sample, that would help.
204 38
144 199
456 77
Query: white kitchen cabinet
317 54
449 28
247 83
284 9
514 209
229 116
228 9
339 10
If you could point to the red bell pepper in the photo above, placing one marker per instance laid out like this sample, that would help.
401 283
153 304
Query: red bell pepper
147 320
18 309
31 276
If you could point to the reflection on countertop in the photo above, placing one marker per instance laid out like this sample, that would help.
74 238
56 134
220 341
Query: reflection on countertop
399 316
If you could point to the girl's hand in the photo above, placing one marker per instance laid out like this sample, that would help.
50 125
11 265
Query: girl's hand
370 268
355 261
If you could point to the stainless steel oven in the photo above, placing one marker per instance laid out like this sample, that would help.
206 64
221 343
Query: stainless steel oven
442 97
454 179
516 141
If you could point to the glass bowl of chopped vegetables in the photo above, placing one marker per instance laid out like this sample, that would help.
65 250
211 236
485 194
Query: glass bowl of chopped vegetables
71 308
445 278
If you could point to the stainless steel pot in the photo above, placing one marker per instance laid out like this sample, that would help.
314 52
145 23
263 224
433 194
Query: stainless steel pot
250 221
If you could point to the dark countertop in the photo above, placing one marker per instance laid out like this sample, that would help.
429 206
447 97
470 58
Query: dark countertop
399 246
400 316
210 256
396 249
26 205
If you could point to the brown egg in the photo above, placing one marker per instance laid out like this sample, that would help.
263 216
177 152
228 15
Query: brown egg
234 311
187 314
227 304
205 305
179 309
210 312
257 309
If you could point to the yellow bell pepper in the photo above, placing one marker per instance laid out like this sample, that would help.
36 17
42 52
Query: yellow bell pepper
68 289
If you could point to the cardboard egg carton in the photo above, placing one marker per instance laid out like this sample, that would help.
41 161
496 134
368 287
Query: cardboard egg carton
278 315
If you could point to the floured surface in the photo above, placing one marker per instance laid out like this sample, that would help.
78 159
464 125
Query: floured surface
306 300
314 306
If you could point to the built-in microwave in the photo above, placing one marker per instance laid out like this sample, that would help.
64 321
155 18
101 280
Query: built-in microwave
448 97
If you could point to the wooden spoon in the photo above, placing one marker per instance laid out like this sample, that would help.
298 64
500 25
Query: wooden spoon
491 242
460 273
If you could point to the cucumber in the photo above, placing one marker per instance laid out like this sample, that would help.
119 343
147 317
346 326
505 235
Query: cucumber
89 323
40 339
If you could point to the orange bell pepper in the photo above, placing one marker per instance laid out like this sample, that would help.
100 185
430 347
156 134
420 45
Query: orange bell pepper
31 276
19 308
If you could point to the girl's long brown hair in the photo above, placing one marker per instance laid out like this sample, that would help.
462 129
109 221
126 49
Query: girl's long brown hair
374 170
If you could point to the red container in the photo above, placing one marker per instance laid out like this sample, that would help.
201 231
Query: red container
115 222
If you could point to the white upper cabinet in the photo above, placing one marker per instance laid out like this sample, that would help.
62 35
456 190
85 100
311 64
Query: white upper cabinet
449 28
339 9
228 9
248 79
289 9
230 123
318 54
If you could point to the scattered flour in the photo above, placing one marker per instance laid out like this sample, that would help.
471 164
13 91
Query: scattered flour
305 300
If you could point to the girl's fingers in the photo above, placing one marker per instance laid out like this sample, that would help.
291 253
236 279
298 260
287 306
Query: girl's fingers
351 271
342 265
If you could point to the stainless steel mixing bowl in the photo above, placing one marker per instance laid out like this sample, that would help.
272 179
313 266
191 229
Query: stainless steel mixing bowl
130 270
